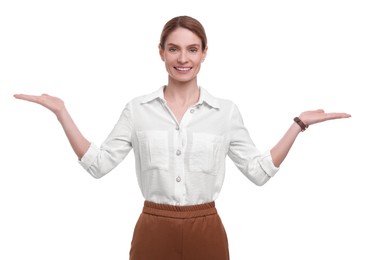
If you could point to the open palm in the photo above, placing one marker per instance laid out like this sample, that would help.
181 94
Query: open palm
55 104
316 116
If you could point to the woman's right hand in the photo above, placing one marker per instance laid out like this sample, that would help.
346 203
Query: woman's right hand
55 104
78 142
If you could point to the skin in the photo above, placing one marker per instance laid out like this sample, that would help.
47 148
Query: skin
182 55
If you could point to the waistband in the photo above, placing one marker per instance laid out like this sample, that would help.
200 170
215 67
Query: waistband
191 211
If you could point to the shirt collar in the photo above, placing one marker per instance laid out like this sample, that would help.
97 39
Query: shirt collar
205 97
158 94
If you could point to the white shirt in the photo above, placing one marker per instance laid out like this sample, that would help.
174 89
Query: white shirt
180 163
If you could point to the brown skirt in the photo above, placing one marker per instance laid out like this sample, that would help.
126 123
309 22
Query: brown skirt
166 232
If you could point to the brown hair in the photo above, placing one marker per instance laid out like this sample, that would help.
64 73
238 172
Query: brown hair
186 22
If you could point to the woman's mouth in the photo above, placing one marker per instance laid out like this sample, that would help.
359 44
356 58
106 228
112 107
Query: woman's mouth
183 68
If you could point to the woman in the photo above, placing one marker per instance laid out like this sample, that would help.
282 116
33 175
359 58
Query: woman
180 135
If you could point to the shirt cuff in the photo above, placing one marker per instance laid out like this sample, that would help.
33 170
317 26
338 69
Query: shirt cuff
268 165
89 157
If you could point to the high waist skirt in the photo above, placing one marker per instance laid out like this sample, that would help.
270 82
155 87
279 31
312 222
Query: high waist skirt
166 232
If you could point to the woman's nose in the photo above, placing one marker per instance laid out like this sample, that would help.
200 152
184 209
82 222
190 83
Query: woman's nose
182 57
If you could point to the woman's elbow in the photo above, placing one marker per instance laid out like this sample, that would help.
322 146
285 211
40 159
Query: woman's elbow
97 173
96 176
260 180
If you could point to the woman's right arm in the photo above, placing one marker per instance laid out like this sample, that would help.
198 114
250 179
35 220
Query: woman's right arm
78 142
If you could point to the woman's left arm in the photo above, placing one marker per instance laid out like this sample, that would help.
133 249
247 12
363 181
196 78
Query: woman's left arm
281 149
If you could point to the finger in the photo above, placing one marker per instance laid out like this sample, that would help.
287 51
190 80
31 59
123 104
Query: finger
319 111
330 116
30 98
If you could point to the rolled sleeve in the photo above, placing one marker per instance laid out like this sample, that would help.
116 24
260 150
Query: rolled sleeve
89 157
267 164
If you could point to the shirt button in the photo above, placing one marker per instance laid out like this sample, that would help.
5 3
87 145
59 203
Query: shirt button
177 128
192 111
178 179
178 152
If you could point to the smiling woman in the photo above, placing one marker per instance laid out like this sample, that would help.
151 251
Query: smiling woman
183 54
185 59
180 135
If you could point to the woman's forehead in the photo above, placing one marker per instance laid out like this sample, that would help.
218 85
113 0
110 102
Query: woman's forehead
182 36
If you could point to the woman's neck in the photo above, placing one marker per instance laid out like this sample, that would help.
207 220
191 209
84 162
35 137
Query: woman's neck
182 94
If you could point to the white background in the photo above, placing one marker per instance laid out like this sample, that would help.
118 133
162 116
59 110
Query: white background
275 59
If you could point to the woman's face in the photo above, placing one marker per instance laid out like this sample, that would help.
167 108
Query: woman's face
183 55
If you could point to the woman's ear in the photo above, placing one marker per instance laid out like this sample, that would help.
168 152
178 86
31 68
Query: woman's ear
161 52
205 52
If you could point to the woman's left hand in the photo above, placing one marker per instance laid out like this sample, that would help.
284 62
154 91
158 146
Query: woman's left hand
317 116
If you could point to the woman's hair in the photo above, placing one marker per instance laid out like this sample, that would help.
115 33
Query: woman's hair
186 22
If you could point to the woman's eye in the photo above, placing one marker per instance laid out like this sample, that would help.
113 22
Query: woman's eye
193 50
172 49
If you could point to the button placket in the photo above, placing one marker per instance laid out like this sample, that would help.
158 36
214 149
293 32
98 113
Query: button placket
179 157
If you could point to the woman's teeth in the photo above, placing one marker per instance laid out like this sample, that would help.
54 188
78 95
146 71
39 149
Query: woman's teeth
183 69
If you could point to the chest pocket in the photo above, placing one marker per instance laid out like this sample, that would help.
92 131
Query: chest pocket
153 146
206 153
